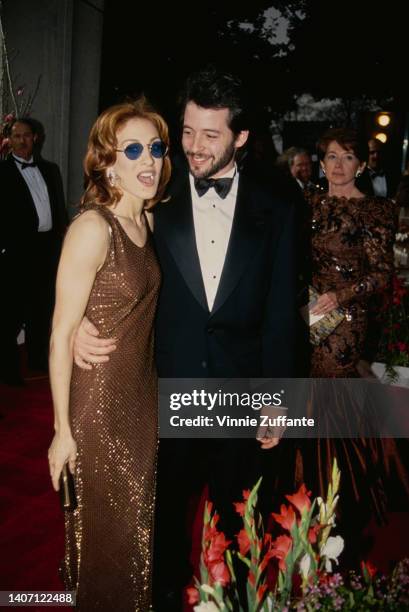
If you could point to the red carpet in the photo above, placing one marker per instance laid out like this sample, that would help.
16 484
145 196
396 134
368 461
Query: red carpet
31 528
31 534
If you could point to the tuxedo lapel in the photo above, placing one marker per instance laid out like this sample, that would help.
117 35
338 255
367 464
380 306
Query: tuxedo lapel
179 234
246 237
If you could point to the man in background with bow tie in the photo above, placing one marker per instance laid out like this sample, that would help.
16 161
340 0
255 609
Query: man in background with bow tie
377 179
33 219
226 310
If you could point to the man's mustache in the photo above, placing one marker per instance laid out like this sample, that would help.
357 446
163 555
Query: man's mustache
192 153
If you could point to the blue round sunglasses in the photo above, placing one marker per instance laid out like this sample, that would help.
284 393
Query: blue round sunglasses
157 149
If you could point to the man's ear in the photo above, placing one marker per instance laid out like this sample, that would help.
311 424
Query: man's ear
35 137
241 139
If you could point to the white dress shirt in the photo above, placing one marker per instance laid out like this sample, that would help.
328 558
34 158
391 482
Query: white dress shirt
213 219
379 185
39 193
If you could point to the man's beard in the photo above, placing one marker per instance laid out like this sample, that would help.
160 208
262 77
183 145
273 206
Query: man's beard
218 164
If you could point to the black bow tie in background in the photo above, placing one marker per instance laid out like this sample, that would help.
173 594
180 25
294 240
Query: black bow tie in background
26 164
222 186
374 174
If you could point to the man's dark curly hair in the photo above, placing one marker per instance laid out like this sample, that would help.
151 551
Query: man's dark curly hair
212 88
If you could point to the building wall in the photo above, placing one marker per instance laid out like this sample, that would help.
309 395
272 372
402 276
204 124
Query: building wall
58 41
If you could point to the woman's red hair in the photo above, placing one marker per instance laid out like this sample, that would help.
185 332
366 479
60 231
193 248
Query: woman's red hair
101 153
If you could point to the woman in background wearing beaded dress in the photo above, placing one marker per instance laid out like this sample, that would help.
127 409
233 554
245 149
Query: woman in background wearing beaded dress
352 239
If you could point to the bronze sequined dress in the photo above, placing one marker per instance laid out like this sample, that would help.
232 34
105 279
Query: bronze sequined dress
113 410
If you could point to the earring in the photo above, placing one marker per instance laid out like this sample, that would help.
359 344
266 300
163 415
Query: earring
358 174
111 176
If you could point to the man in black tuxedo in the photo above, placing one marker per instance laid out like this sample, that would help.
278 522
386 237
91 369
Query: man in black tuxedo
376 179
32 226
226 309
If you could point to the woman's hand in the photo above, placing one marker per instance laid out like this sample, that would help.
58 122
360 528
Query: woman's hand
325 303
63 450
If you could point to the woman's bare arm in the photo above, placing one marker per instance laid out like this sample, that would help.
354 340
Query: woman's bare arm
84 252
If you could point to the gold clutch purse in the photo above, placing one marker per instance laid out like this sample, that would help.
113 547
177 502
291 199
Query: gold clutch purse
321 326
67 490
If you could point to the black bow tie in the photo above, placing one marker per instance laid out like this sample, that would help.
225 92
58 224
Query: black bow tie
26 164
374 174
222 186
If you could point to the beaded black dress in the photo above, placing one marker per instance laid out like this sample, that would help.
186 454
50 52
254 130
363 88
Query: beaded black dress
113 411
351 255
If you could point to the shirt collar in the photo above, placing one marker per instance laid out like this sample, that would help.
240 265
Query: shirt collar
22 160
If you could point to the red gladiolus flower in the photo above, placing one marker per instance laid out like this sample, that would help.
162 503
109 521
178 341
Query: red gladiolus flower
312 533
269 555
210 532
301 499
240 508
219 573
192 595
246 494
401 346
252 578
286 518
243 542
218 545
370 568
281 547
260 591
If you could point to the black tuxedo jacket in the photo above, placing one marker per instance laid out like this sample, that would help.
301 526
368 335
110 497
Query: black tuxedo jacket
19 219
364 183
250 329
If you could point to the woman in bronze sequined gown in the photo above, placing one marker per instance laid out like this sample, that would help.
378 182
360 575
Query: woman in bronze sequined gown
352 259
106 416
